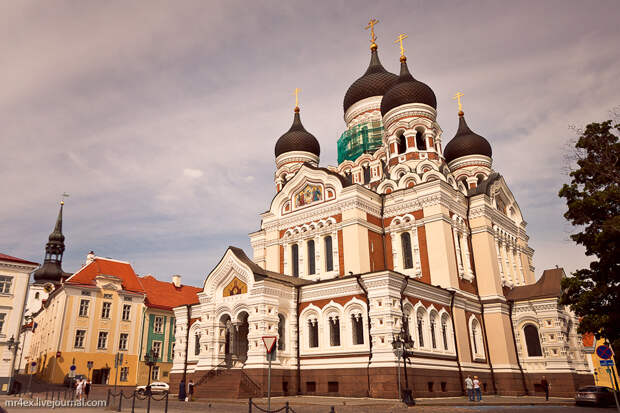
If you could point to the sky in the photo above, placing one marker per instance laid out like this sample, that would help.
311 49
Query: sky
159 118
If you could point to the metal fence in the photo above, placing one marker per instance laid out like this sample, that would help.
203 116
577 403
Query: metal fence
286 408
117 405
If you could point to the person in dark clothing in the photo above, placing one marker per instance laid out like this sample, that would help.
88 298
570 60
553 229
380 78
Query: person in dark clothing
87 388
545 385
182 393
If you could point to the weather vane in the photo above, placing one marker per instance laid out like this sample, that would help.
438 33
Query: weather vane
371 26
297 90
458 97
400 39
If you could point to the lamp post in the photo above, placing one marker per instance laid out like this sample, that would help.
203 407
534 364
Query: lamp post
150 359
402 345
13 345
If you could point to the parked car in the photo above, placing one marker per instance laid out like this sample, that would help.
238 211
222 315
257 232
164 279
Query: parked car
595 395
71 381
156 387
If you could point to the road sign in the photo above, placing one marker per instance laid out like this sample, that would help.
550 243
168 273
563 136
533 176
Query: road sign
89 365
58 354
607 363
72 368
269 342
604 352
33 364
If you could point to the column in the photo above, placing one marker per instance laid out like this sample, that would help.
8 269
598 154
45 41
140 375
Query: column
465 247
287 250
398 265
457 245
518 252
499 259
335 257
415 244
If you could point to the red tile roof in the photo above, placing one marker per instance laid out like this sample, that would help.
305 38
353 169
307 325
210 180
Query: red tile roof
4 257
105 266
164 295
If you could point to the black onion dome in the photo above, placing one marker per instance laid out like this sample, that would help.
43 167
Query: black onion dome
466 142
407 90
297 139
374 82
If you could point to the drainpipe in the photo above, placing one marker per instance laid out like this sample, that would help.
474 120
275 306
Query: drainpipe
186 344
402 326
359 282
484 327
514 341
456 347
141 342
298 289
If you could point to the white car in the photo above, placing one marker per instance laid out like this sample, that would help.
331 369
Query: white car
156 387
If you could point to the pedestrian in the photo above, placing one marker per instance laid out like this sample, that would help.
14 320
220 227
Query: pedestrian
87 388
469 385
545 385
78 389
190 390
477 389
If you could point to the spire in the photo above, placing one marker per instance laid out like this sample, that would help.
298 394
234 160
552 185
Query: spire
51 270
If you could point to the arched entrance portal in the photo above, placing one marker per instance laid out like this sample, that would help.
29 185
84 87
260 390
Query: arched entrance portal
234 335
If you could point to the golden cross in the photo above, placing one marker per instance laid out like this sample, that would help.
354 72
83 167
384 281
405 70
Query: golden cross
458 99
400 39
297 90
371 26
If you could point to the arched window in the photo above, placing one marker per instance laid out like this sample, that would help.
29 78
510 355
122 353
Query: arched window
313 333
480 178
420 324
311 258
281 332
420 141
476 337
36 296
532 341
357 328
197 344
295 260
444 331
334 330
433 322
329 254
366 169
402 144
405 239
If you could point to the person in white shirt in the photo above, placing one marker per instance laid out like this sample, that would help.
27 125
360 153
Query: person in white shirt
477 389
79 388
469 385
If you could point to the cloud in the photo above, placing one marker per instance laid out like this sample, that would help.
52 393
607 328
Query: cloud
192 173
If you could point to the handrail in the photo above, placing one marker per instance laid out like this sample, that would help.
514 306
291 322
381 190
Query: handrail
248 382
210 373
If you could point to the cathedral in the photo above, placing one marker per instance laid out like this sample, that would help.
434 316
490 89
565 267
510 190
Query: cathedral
407 245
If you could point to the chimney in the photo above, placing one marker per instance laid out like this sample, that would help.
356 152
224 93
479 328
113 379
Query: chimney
90 257
176 280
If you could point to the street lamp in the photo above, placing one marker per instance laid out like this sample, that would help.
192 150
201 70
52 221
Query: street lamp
13 345
402 345
150 359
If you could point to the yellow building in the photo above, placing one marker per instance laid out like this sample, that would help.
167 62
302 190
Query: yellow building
93 315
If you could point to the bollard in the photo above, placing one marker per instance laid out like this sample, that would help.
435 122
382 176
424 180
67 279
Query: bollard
133 402
148 403
166 405
120 401
286 407
250 405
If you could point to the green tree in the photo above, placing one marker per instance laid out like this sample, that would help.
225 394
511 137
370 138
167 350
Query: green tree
593 200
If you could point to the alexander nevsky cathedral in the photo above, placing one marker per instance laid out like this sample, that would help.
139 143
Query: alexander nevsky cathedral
413 244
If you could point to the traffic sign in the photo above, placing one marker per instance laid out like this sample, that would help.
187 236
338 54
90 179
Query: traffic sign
607 363
89 365
269 342
72 368
604 352
33 364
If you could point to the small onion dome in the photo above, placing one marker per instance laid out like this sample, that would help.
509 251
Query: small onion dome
466 142
374 82
407 90
297 139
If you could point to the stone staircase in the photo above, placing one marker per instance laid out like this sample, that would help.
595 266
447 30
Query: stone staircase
223 383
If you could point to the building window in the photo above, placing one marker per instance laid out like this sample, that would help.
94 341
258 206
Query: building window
433 331
156 349
311 258
79 338
281 332
295 260
102 341
197 344
357 328
313 333
420 323
5 284
444 331
158 325
122 341
107 296
366 170
476 337
420 141
329 254
36 295
124 374
84 308
405 239
126 312
334 331
105 309
401 145
532 341
155 373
